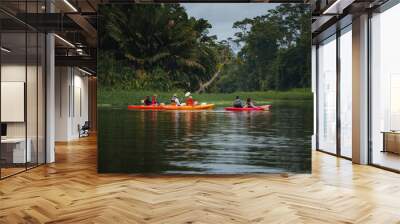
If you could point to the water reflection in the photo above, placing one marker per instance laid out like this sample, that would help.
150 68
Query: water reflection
206 141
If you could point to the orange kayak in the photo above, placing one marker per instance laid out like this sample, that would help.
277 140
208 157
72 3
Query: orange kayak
195 107
144 107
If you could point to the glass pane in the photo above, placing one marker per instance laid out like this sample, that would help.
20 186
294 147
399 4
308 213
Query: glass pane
31 97
32 89
41 99
346 93
327 95
385 93
14 153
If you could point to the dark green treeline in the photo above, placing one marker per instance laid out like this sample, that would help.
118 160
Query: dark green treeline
160 47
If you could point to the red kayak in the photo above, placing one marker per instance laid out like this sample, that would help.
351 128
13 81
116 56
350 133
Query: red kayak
144 107
260 108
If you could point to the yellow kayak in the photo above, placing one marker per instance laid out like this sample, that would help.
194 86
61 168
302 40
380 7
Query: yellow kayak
195 107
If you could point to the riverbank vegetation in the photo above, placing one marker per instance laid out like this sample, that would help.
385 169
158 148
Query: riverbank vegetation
122 98
159 47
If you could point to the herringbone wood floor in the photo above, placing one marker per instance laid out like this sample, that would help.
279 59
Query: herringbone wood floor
70 191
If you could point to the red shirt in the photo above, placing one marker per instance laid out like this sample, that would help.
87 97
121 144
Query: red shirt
189 101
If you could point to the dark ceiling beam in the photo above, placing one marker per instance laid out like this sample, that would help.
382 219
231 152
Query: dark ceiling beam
82 22
49 22
15 18
91 5
80 61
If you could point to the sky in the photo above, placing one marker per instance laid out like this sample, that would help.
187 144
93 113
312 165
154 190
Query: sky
222 15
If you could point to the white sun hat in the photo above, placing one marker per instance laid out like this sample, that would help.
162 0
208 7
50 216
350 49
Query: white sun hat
187 94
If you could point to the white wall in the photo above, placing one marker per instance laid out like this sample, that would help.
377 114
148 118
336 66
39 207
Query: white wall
71 102
62 82
13 101
16 73
12 73
80 112
33 127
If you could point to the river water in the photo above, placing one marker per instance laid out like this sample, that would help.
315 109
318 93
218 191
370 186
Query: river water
206 142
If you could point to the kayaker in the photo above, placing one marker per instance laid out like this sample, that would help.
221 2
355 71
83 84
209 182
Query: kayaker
147 101
249 103
175 100
154 100
190 101
238 102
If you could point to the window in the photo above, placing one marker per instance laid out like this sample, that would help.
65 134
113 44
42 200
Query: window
327 95
346 92
22 66
385 89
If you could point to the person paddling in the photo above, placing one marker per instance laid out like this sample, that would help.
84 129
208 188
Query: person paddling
190 101
147 101
238 102
154 100
249 103
175 100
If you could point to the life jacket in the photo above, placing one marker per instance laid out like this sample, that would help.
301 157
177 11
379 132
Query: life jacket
147 102
190 102
237 103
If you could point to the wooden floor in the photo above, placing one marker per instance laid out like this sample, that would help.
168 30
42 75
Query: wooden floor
387 159
70 191
5 172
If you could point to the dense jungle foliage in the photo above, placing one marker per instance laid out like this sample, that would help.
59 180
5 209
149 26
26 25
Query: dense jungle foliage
160 47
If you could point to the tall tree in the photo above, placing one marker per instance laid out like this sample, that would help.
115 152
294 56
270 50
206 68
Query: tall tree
161 37
275 51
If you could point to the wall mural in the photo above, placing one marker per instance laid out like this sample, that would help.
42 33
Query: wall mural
200 88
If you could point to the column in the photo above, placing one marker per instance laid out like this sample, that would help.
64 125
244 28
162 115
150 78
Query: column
50 92
360 90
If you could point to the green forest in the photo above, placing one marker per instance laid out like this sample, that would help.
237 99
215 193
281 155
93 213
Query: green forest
160 47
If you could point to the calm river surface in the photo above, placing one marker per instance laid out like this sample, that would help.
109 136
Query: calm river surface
207 142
